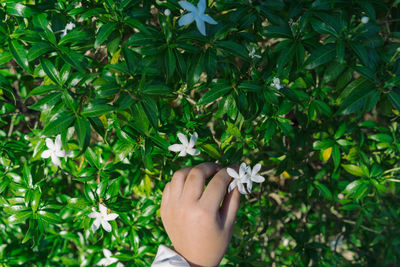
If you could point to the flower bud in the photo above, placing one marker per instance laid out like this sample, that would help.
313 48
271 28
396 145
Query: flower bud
364 20
167 12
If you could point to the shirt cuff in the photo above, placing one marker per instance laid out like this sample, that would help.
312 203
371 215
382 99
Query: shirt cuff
166 257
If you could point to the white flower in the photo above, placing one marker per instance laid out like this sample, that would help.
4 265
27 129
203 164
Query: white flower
108 260
254 176
253 54
54 150
196 14
398 49
186 147
167 12
102 218
68 27
239 178
277 83
364 20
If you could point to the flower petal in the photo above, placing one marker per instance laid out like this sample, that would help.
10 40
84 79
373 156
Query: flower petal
243 169
102 262
106 226
183 139
58 143
256 169
94 214
193 151
111 216
258 179
60 153
249 186
186 19
208 19
46 154
112 260
193 139
56 161
201 26
232 173
176 147
188 6
103 209
49 144
201 6
183 153
241 188
232 186
96 225
107 253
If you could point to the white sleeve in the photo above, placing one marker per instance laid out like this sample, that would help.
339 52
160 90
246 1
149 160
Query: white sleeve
166 257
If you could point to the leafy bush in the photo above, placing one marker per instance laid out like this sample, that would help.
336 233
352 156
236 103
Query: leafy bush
309 89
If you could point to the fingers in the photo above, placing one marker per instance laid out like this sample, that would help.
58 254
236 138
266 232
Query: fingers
216 190
196 179
165 199
178 181
229 209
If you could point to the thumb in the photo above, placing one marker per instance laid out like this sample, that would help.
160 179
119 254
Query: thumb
229 209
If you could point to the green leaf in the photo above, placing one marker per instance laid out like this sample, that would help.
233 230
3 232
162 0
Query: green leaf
151 110
156 89
19 54
37 50
83 132
362 98
19 10
325 192
336 156
5 57
43 89
104 31
51 71
129 57
361 53
74 37
217 90
323 144
282 31
395 99
323 28
320 56
73 58
42 22
94 110
211 150
250 87
352 187
170 63
20 217
384 138
69 101
46 102
234 48
323 107
59 124
49 217
353 169
36 199
333 71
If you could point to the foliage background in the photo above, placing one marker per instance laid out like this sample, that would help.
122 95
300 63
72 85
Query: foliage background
127 78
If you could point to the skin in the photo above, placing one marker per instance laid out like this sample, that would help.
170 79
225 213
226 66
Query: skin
200 221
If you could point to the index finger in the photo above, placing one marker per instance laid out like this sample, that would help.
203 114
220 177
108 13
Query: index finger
216 190
196 179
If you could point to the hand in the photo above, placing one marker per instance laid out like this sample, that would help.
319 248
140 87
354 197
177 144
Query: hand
199 227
